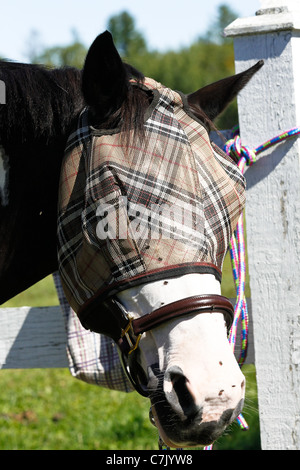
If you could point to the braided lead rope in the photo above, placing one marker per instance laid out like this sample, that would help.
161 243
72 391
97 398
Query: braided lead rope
245 156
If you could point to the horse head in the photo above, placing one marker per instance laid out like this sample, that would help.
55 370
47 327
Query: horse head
147 209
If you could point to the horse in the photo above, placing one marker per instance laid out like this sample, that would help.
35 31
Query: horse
41 108
165 312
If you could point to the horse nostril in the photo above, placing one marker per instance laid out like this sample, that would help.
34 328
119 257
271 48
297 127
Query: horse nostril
174 374
178 393
177 379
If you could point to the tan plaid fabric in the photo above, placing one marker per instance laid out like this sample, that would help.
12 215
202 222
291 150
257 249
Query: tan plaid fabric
93 358
165 206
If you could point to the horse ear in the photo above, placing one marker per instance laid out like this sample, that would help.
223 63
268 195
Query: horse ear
104 78
214 98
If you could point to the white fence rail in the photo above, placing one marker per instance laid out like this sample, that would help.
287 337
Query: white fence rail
32 337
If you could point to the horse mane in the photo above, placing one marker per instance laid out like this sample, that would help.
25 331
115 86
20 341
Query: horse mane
39 101
44 103
130 116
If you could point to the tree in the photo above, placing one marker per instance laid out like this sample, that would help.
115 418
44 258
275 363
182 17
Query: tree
34 45
72 55
215 32
128 40
205 61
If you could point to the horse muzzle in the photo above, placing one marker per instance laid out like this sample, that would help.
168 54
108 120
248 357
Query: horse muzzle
194 430
184 420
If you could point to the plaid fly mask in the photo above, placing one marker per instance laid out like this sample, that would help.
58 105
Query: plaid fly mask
162 206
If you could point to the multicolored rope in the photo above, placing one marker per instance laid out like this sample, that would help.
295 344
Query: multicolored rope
245 157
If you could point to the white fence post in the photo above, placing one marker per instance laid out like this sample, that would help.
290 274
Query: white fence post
269 105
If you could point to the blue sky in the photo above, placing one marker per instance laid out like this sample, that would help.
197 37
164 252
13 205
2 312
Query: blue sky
166 24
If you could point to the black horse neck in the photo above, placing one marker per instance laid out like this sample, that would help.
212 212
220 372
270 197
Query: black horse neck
41 108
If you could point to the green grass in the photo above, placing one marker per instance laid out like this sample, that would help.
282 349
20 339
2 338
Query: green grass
41 294
50 410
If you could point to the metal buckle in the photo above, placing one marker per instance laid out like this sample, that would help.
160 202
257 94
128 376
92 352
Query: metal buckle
126 332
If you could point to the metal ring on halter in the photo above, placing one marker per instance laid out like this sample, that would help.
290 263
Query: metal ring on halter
132 375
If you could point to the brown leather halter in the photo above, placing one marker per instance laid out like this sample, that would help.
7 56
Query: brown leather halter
127 331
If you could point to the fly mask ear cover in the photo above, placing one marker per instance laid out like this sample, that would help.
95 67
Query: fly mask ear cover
159 208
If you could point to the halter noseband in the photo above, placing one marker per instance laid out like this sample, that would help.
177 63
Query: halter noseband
127 331
196 304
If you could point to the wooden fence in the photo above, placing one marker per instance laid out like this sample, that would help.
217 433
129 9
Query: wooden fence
33 337
269 106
